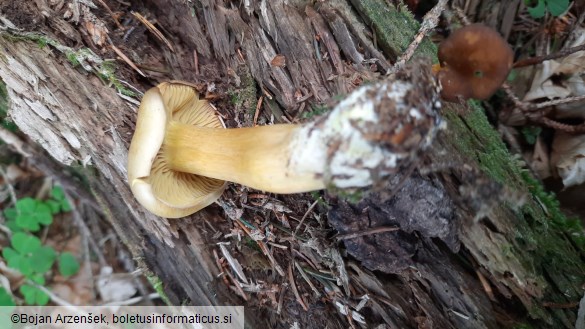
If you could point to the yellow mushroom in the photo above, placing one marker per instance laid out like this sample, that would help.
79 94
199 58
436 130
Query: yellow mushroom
179 140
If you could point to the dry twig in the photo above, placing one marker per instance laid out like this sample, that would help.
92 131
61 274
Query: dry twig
294 288
430 21
367 232
157 33
311 207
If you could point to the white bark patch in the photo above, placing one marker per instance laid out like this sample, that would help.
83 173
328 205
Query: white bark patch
32 125
71 139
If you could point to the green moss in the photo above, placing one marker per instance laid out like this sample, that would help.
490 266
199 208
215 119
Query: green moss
316 110
107 72
395 28
4 120
72 58
244 98
157 284
547 243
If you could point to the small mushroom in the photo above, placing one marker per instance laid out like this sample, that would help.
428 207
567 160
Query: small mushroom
475 60
181 154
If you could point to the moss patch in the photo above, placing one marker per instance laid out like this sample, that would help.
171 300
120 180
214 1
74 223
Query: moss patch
395 28
157 284
549 244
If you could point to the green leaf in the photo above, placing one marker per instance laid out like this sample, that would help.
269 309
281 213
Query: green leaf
55 206
557 7
25 243
33 295
9 254
68 264
17 261
5 298
38 278
10 213
28 256
11 224
31 213
58 195
43 259
538 11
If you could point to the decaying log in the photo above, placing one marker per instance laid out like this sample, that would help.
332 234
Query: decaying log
479 246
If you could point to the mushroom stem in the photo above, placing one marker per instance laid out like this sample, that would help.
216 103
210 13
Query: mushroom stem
374 132
257 157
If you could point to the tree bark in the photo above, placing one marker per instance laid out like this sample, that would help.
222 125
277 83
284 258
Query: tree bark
480 244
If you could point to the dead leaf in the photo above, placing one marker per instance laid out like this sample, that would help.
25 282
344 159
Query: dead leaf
115 287
568 158
547 85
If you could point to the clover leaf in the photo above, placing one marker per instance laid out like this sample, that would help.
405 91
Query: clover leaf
33 295
58 202
28 256
68 264
5 298
30 213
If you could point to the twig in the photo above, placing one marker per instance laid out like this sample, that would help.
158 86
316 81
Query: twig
257 112
281 298
430 21
196 61
306 277
126 59
306 215
567 100
367 232
220 268
85 231
461 16
134 300
540 59
571 129
157 33
112 14
236 286
294 289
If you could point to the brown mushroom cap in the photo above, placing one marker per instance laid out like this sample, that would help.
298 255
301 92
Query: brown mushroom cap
475 61
161 190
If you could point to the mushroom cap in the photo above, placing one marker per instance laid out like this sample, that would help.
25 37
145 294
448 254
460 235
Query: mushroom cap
161 190
475 61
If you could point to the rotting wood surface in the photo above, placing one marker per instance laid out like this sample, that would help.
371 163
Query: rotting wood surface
448 252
